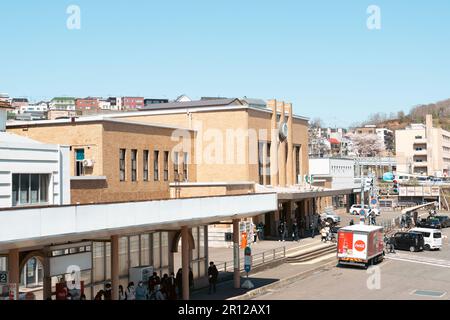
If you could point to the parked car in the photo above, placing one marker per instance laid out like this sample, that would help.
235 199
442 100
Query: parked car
432 237
444 220
330 217
432 223
356 209
411 241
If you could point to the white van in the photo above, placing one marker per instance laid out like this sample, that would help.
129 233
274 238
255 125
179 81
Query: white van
432 237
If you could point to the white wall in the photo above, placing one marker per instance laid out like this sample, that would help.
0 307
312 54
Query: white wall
342 171
38 159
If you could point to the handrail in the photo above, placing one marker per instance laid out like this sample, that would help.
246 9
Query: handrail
258 259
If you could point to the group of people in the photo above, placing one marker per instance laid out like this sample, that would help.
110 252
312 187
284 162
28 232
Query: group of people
315 225
165 288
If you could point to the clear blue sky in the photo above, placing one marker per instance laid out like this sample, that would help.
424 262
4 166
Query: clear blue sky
318 54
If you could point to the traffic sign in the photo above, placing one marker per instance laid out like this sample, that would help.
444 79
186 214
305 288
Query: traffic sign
248 259
362 212
374 201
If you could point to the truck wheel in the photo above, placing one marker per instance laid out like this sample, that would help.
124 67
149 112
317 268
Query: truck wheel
427 247
412 249
330 221
354 213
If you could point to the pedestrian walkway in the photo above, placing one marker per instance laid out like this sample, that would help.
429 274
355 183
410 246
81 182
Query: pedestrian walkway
270 276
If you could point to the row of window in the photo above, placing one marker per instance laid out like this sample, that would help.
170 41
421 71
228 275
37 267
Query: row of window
156 165
264 171
341 168
30 189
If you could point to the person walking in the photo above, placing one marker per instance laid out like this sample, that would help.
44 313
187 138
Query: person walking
179 282
172 285
323 234
121 293
295 231
108 292
281 229
213 275
141 291
130 293
312 228
352 222
261 231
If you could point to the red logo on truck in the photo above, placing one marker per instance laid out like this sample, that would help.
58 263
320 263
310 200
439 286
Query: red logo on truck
360 245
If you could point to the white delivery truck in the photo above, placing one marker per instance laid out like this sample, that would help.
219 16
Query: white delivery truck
360 245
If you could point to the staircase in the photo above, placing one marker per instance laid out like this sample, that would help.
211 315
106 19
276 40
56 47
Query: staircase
311 254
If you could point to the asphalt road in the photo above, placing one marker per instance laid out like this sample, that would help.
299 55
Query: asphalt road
404 275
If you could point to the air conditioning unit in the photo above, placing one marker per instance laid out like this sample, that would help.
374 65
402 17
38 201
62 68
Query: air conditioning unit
88 163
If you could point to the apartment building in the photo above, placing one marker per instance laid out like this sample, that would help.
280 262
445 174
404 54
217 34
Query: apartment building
62 103
423 149
132 103
87 104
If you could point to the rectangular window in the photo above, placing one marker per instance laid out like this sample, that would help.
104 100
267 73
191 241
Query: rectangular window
261 162
176 175
166 165
156 165
79 158
268 181
297 164
122 164
134 165
185 167
145 160
30 189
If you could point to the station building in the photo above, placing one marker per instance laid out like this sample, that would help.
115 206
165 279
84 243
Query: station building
248 157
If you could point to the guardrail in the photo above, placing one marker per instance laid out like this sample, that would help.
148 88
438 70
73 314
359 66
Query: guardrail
258 260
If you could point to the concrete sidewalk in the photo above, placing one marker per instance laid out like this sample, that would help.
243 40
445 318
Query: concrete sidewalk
271 277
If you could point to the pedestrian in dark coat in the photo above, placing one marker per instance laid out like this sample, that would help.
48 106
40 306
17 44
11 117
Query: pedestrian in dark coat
295 231
213 275
281 230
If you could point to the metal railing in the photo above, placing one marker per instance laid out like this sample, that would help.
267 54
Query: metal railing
258 259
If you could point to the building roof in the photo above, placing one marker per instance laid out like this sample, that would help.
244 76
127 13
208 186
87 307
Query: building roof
63 98
5 105
6 137
195 104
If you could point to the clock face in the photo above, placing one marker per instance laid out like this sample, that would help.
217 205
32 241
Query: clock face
284 131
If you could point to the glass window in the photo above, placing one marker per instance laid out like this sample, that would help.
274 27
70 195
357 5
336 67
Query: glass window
185 166
24 188
145 249
156 250
123 256
134 251
165 249
34 189
98 257
133 165
43 187
145 165
195 250
166 165
108 260
261 162
156 165
15 189
268 164
122 164
175 167
29 189
202 242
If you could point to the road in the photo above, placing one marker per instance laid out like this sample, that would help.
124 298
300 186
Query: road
404 275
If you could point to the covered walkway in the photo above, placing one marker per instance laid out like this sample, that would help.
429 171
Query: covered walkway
43 228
